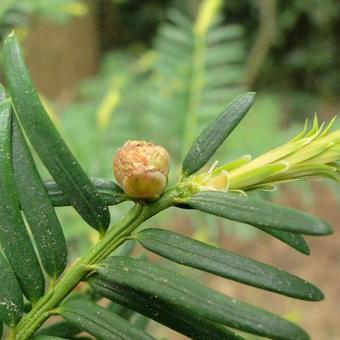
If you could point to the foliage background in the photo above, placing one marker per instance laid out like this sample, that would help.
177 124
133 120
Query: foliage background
105 71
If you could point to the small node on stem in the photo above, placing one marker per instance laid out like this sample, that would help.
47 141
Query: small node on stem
90 267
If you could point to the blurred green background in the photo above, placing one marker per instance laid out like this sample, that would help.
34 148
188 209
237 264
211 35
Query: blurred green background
109 71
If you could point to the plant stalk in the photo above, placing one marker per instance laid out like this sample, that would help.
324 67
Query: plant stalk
111 241
195 94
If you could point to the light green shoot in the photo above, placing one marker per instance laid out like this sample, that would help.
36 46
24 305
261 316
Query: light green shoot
312 153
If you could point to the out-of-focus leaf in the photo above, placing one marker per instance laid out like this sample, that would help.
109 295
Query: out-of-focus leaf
296 241
63 328
48 337
257 213
140 321
182 292
48 143
98 321
11 302
14 239
189 252
37 207
189 324
111 192
216 132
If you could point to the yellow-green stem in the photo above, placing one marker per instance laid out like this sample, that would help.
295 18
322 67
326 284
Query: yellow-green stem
46 306
11 334
195 93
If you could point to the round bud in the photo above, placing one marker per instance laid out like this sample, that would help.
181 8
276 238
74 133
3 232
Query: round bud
141 168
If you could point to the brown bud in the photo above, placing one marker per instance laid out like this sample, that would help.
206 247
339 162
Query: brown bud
141 168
